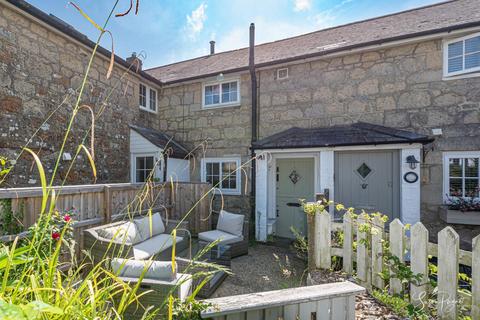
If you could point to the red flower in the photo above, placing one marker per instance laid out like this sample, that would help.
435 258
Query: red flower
55 235
67 218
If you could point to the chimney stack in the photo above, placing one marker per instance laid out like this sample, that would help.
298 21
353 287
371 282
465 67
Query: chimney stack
212 47
134 62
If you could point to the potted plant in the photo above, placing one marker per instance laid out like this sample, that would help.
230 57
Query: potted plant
462 210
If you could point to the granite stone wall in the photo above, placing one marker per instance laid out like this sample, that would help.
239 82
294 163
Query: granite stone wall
41 72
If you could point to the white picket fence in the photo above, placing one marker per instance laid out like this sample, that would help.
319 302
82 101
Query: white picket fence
415 247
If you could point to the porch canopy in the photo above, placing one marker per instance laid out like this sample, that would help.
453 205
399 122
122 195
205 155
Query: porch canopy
162 141
356 134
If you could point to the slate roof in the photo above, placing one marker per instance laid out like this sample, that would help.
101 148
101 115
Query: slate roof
360 133
442 17
163 141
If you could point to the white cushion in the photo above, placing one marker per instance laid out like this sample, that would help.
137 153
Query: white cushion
225 238
152 246
158 270
231 223
126 232
143 226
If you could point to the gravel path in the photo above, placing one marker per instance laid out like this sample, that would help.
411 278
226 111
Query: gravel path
268 268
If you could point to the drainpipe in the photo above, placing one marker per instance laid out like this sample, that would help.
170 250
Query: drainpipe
253 77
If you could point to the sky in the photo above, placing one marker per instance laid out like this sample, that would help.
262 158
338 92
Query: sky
167 31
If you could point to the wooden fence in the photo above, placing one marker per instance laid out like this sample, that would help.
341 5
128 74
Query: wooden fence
335 301
97 204
412 245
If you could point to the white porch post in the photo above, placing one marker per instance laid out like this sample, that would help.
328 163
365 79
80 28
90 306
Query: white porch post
409 192
327 165
261 197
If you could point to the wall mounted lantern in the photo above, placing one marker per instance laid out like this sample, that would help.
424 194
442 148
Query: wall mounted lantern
412 162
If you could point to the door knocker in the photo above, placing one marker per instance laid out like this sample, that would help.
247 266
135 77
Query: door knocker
364 185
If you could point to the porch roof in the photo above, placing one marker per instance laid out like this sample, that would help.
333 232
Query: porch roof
360 133
163 141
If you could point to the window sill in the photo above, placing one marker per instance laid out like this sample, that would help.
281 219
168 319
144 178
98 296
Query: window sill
147 109
220 106
227 192
461 76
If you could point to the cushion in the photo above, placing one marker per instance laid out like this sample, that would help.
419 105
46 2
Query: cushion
225 238
143 226
158 270
231 223
152 246
126 232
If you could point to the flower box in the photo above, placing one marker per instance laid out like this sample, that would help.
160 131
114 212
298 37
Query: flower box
459 217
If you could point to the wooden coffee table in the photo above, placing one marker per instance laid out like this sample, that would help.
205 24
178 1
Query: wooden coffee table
193 260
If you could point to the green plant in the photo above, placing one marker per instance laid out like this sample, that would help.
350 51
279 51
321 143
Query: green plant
400 305
300 244
10 223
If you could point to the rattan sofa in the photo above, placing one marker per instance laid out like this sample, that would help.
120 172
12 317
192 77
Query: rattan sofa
101 248
237 247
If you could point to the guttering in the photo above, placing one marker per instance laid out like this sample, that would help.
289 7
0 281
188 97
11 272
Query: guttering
76 35
364 46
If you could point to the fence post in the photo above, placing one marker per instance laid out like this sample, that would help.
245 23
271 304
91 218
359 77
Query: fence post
311 241
397 248
363 266
448 253
348 243
107 204
476 278
419 262
323 236
378 227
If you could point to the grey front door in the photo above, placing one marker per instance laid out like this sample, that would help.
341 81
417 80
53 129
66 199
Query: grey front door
368 180
295 181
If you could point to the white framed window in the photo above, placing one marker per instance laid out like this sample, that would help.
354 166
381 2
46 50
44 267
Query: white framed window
461 174
144 164
147 98
223 173
221 94
461 55
282 73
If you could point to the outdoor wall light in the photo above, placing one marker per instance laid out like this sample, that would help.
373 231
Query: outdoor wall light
220 77
412 162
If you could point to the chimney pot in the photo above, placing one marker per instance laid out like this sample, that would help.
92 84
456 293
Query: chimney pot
212 47
135 66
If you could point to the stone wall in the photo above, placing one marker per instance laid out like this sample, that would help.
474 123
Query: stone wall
41 73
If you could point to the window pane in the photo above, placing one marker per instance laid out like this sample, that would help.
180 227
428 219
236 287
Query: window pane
149 163
471 167
471 188
472 61
456 167
140 176
212 173
229 92
153 100
142 97
456 187
212 94
455 64
455 49
472 45
140 163
208 100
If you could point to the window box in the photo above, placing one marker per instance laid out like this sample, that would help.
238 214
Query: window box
459 217
461 55
221 94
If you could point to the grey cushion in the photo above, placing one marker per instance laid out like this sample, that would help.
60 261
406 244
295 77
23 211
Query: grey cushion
225 238
152 246
158 270
231 223
143 226
126 232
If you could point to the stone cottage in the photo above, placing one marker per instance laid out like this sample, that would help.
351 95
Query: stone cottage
381 114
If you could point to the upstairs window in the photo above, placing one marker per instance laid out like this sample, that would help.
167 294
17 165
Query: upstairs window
461 174
224 174
462 55
147 98
220 94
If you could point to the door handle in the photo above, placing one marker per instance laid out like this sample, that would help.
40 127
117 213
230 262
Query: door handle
293 204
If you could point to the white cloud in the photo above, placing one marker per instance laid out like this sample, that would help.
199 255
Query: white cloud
196 20
302 5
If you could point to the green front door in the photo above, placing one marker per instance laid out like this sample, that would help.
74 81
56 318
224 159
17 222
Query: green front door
295 181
